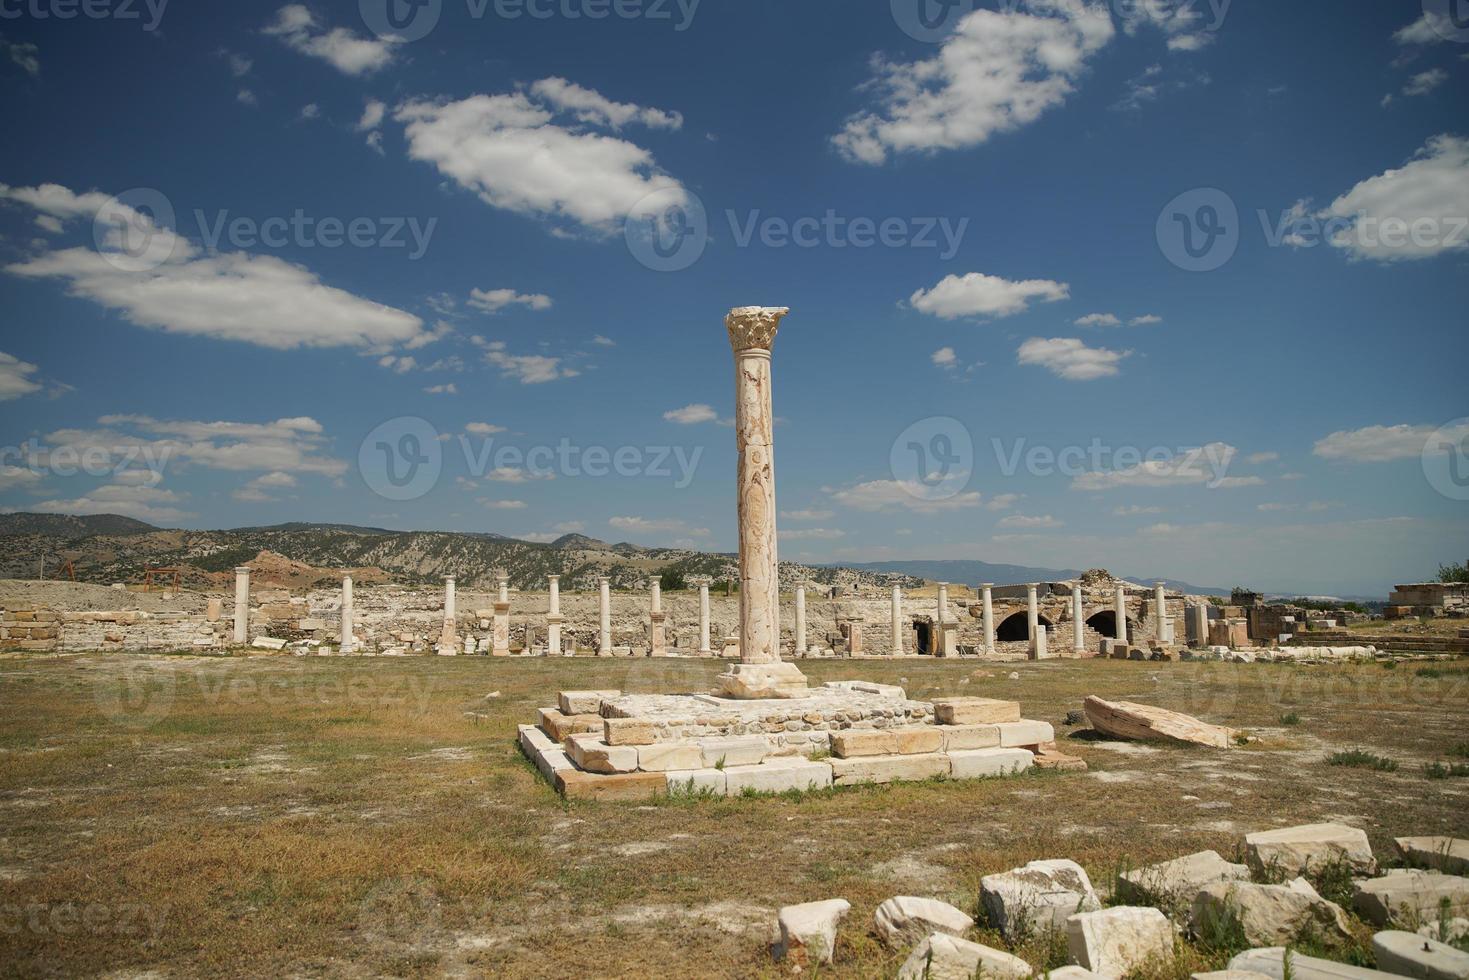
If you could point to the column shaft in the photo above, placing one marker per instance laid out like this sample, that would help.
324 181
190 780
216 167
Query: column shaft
242 605
989 617
349 643
897 621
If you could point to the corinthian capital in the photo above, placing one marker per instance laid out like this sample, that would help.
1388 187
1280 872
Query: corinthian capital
753 327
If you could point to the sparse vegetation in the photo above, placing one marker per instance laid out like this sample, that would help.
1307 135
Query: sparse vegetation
1290 718
1362 759
1439 770
1454 573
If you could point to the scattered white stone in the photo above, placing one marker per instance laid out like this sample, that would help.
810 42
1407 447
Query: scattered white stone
808 932
1271 963
1411 955
944 957
1447 854
1410 895
1227 975
1293 850
1270 914
904 920
1040 896
1178 880
1116 941
1450 931
1073 973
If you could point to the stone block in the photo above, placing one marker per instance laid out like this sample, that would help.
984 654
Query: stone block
1176 882
858 743
311 625
918 740
693 781
975 711
268 643
1027 733
1040 896
808 932
906 920
546 754
1447 854
1409 896
561 726
629 731
574 784
734 750
778 776
1270 914
984 763
957 737
748 682
1270 961
888 768
1292 850
945 957
583 702
594 755
1117 941
1410 955
1225 975
669 756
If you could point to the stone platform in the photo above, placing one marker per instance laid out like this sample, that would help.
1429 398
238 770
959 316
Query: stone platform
614 746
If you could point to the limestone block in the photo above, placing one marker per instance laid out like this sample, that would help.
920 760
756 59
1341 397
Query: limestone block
1408 895
1226 975
1447 854
1292 850
311 625
970 737
1179 880
906 920
1114 942
1049 757
778 776
1271 962
888 768
808 932
944 957
983 763
1077 973
1410 955
868 687
1454 930
918 740
747 682
698 781
858 743
1270 914
1017 733
667 756
583 702
1143 722
560 726
574 784
546 754
1040 896
594 755
629 731
734 750
975 711
268 643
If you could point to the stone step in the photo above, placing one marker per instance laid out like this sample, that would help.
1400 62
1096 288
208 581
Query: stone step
889 768
887 741
984 763
594 755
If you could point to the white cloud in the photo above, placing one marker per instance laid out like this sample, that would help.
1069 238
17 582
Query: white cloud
495 300
239 64
1146 320
17 476
1003 501
977 294
1258 458
25 56
805 515
569 527
1204 466
1181 23
257 491
511 474
602 341
1069 358
444 389
945 357
483 429
145 503
1022 522
997 72
1135 510
1099 320
1431 28
1425 82
172 286
246 97
692 414
1418 211
644 525
509 151
877 495
397 364
290 445
598 110
528 369
372 116
812 534
1382 443
16 377
489 504
340 47
310 111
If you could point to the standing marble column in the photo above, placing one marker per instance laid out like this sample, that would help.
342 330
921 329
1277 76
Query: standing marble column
604 616
1160 607
703 582
760 673
242 605
449 638
988 589
801 620
349 642
897 621
554 619
657 637
1032 618
1078 624
500 627
1199 634
1121 613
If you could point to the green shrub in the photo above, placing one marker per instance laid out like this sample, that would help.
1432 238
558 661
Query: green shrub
1362 759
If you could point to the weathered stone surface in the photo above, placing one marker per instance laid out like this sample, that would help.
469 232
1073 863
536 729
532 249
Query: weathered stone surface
983 763
1179 880
1226 975
1049 757
1292 850
633 786
698 781
1040 896
594 755
808 932
1447 854
1271 963
1270 914
669 756
759 681
737 750
1073 973
778 776
1116 941
855 744
975 711
1017 733
583 702
268 643
1452 930
970 737
1130 720
905 920
1410 955
945 957
1408 895
561 726
629 731
918 741
888 768
546 754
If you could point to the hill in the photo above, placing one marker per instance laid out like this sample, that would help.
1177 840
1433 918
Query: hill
975 572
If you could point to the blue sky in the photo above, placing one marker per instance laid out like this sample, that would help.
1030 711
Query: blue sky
1211 257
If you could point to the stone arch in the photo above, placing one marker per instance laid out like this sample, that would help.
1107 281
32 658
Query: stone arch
1016 627
1105 623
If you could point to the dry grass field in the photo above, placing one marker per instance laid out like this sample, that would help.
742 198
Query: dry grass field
345 817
